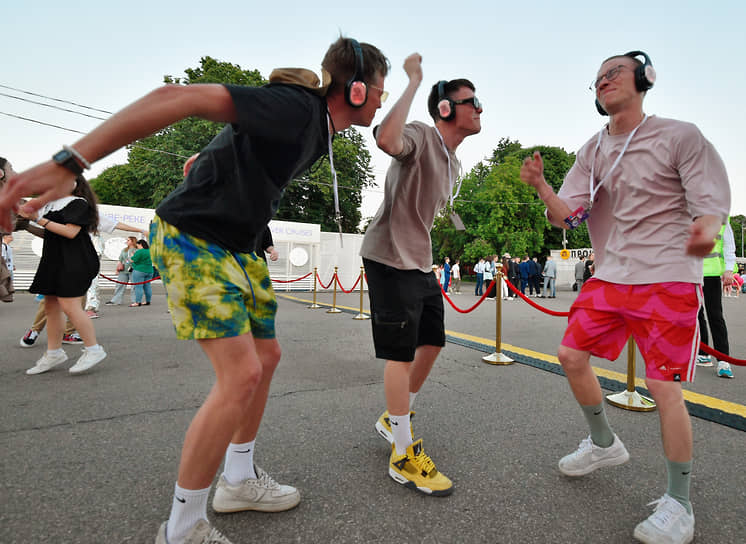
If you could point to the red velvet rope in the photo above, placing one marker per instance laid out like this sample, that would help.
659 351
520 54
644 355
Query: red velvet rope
291 281
128 283
351 289
322 283
475 305
532 303
721 356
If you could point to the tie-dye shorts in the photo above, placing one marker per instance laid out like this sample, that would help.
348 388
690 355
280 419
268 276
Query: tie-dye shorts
212 292
661 317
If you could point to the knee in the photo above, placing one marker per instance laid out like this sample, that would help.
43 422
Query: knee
572 360
239 389
665 393
270 357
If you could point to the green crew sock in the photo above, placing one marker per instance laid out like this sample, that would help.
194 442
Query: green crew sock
601 432
679 477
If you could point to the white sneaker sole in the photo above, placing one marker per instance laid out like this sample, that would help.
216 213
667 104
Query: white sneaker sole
386 435
646 538
35 370
605 462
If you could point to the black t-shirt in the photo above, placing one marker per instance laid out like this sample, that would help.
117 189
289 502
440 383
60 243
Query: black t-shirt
234 187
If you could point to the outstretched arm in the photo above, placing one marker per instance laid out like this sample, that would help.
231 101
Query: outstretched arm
156 110
128 228
389 135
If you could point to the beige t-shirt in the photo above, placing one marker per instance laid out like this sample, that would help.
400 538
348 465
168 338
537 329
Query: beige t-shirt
639 222
417 187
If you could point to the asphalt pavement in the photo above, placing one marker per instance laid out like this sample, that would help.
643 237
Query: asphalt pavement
93 458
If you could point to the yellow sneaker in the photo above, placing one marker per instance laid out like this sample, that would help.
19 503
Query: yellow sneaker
416 470
383 426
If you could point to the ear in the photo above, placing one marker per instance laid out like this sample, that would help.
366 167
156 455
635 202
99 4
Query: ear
2 174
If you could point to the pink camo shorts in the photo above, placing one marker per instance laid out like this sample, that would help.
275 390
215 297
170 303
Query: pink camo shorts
661 317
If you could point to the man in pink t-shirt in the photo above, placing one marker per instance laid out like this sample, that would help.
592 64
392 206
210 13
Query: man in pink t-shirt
655 193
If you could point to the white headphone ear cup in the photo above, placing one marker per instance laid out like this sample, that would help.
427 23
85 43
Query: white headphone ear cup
650 74
444 109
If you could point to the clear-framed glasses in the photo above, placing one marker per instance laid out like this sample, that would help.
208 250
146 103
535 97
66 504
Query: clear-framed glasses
384 94
611 75
473 100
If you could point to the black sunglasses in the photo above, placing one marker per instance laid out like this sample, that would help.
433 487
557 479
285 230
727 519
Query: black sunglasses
473 100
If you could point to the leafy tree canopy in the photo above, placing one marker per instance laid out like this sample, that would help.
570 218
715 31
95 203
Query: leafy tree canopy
501 213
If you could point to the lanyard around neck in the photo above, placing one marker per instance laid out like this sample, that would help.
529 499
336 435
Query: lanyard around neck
593 187
452 196
337 213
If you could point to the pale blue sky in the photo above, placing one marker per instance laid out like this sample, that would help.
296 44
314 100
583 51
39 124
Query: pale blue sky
531 63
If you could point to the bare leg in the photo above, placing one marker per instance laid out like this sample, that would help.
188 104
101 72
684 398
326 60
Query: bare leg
55 322
399 378
239 372
78 317
580 375
269 356
676 427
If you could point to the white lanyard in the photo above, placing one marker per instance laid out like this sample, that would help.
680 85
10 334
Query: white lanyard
450 174
594 188
337 213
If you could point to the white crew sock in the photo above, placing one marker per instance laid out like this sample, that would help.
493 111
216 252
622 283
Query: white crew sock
412 396
94 347
189 506
239 462
58 351
402 432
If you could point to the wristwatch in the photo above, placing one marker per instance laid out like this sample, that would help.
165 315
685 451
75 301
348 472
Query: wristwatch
67 160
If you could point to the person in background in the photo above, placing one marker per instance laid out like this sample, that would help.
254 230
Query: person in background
479 272
580 272
142 273
124 271
550 274
718 274
456 275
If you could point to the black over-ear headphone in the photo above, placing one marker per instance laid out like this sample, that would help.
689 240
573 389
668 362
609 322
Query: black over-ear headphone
644 76
446 107
356 91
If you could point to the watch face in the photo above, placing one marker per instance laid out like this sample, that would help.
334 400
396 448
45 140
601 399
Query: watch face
62 156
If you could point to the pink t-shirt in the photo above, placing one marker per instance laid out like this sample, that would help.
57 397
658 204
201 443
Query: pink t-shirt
417 187
639 223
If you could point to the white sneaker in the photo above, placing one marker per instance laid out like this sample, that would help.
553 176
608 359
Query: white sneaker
588 457
47 362
669 524
704 360
262 494
89 359
201 533
724 370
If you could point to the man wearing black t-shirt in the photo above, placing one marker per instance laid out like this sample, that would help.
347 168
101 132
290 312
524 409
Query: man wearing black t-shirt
203 239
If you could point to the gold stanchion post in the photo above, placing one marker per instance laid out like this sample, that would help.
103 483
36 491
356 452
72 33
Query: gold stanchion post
498 358
314 305
334 309
631 399
361 315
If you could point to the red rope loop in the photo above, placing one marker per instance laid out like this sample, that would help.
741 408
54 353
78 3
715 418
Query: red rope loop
721 356
128 283
291 281
351 289
322 283
532 303
468 309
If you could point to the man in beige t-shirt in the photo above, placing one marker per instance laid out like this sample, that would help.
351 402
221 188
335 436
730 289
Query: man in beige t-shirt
405 300
654 192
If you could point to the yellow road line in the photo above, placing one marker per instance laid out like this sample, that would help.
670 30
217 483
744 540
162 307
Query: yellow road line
691 396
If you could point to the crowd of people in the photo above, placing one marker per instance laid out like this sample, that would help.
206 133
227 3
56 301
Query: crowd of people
205 234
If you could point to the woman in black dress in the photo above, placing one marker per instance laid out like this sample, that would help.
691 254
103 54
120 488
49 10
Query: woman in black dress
68 264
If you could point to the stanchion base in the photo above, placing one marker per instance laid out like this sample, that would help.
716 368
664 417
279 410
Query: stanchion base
361 316
497 359
314 306
631 400
334 310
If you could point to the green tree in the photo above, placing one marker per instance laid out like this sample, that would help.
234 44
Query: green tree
502 214
154 166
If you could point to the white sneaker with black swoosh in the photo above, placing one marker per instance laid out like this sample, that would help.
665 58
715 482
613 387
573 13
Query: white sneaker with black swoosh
588 457
263 494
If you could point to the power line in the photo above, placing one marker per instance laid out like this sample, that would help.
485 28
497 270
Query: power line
53 107
56 99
